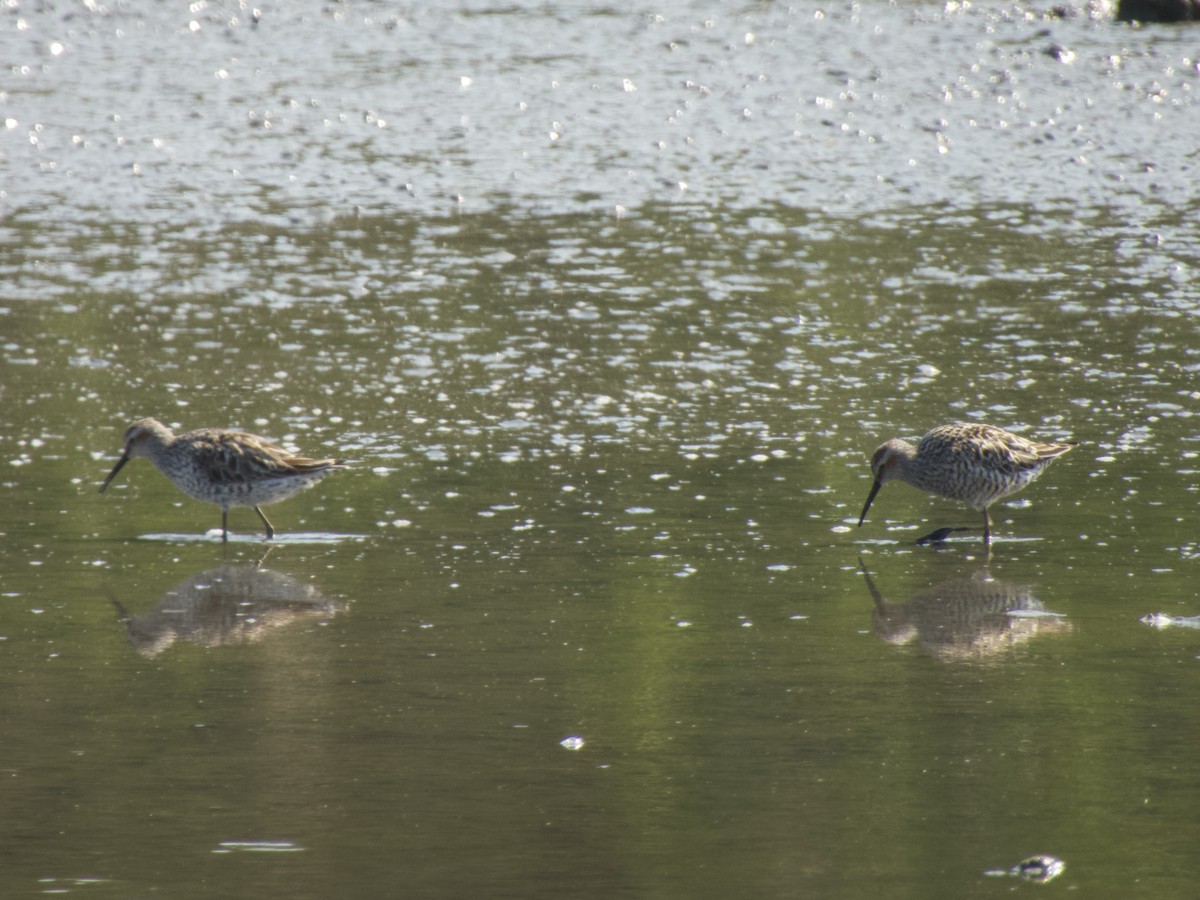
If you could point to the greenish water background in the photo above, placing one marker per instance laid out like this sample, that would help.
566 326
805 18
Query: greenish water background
610 389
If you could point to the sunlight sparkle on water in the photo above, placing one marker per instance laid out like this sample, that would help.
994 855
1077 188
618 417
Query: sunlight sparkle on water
257 847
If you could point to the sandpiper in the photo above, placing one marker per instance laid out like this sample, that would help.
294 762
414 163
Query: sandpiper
228 468
977 464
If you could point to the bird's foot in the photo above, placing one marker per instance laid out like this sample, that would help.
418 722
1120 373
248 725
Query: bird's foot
940 535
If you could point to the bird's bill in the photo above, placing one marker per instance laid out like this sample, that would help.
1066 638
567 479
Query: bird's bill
117 468
870 499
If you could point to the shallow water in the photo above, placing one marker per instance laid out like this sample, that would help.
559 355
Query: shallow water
609 308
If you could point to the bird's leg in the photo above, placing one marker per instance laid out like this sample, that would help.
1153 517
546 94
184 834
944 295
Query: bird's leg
987 529
270 527
224 526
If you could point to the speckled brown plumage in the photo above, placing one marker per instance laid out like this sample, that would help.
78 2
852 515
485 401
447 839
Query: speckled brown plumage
228 468
976 464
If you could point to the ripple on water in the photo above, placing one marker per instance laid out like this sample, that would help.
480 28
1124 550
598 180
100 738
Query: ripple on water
293 537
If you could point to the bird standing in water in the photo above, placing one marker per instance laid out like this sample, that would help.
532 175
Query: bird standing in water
228 468
977 464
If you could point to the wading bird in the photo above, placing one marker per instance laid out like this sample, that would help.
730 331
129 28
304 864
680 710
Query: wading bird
977 464
228 468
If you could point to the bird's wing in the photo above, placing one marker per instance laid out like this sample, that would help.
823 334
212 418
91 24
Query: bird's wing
999 449
233 457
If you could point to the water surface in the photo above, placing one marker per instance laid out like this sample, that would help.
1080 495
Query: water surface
609 308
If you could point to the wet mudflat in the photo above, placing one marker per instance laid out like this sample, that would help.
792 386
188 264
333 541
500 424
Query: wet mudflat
609 310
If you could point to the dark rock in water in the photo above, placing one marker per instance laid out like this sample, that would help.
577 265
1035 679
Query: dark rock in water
1162 620
1063 54
1038 868
1158 10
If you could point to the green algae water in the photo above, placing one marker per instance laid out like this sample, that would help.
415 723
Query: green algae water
608 309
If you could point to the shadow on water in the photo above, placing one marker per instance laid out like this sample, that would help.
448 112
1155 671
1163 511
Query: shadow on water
214 536
968 618
229 604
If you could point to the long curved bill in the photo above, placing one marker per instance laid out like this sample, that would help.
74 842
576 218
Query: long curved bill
117 468
870 499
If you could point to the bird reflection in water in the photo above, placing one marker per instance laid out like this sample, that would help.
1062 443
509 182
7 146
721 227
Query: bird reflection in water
229 604
973 617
